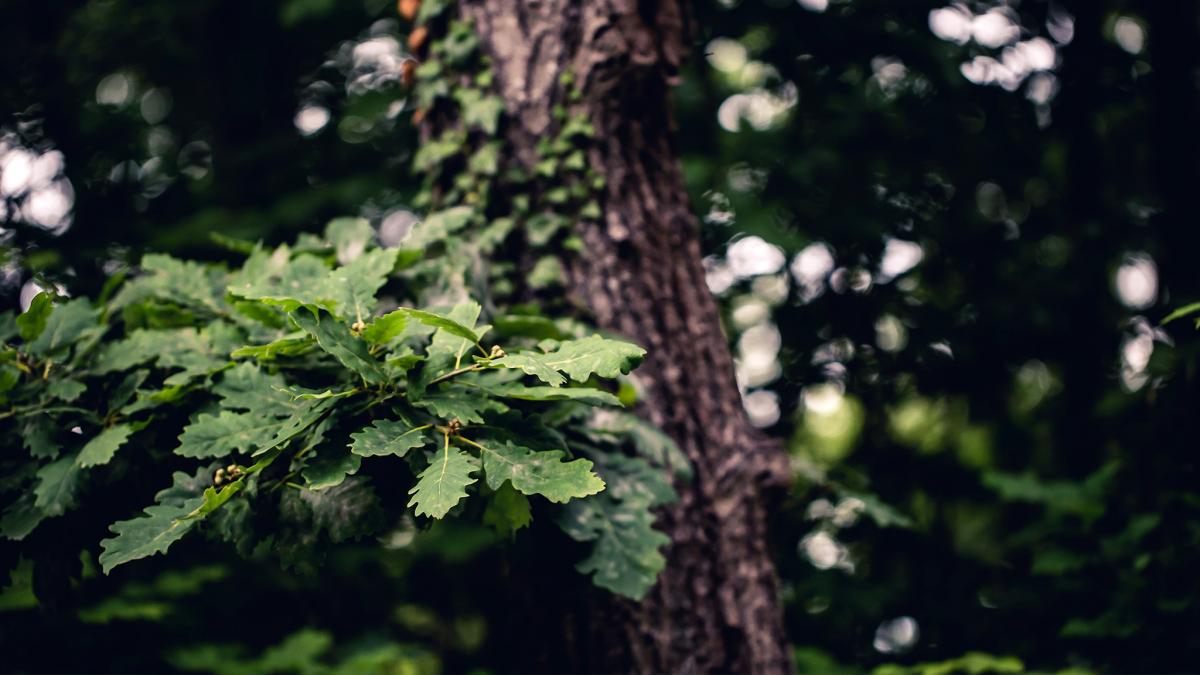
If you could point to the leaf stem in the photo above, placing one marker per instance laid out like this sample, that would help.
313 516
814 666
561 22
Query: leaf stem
455 373
468 441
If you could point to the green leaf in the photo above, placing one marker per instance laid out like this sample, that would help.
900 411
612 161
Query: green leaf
1186 310
354 286
58 482
589 395
625 557
438 226
386 328
214 498
125 389
246 386
349 510
651 443
387 437
226 432
486 160
301 282
8 327
580 359
9 377
310 414
349 237
468 407
507 511
330 467
292 344
443 483
32 321
195 352
541 473
103 446
537 327
37 432
182 282
541 227
546 272
65 326
430 9
137 348
531 364
162 524
449 324
21 517
336 339
66 390
480 110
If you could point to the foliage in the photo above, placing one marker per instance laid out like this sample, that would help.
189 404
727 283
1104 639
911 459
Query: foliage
156 357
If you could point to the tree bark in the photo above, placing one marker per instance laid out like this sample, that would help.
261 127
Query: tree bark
716 607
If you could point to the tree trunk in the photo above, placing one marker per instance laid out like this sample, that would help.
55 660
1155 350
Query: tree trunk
716 607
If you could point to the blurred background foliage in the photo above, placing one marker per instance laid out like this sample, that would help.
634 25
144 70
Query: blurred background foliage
943 235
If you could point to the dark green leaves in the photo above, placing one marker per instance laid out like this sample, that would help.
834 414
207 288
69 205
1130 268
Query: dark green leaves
218 435
100 450
594 355
32 322
330 467
162 524
271 417
508 510
65 325
322 382
578 359
532 364
448 324
386 328
625 558
336 339
388 437
181 282
539 473
57 484
464 405
353 286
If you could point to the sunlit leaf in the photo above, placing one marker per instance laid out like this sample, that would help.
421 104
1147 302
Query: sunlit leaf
103 446
541 473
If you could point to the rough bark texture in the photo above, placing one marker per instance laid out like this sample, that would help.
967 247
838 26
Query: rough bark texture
716 608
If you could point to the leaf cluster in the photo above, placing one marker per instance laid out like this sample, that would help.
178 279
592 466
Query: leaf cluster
308 395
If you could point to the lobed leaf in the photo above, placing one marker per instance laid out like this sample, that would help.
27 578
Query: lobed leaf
387 437
594 355
532 364
336 339
443 483
541 473
103 446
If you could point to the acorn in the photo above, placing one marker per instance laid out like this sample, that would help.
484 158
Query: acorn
408 8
